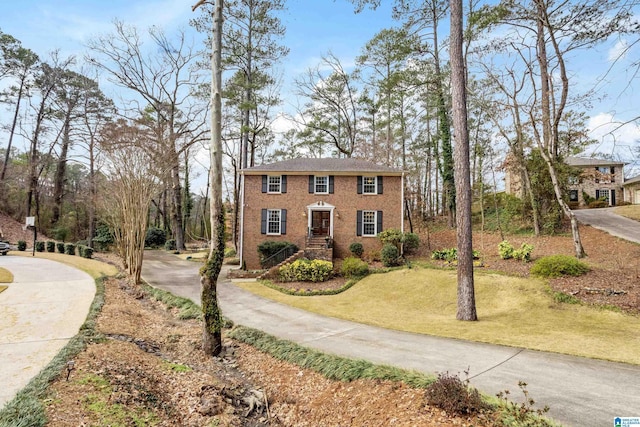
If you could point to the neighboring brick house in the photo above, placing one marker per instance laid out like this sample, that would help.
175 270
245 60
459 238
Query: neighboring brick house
338 200
600 179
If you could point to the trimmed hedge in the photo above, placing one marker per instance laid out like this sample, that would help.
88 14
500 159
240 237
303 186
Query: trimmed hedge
558 265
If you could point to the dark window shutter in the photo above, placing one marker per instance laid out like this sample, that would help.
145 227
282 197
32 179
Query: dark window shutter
379 222
613 197
379 185
312 184
359 223
283 221
283 184
597 194
264 183
597 179
613 174
359 186
263 224
330 184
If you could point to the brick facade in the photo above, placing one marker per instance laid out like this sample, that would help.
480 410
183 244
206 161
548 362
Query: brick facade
598 179
335 213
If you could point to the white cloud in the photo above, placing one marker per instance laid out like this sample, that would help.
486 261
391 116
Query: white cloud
618 51
613 136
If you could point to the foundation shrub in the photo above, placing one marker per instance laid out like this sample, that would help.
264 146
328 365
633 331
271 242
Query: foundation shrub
354 267
390 255
356 249
304 270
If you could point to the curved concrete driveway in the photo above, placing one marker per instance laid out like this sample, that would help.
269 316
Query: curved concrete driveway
606 220
40 312
580 392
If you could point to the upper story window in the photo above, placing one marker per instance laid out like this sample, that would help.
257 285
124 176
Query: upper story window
369 185
274 184
604 169
321 184
573 180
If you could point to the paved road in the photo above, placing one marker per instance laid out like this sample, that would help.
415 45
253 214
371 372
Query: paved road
606 220
581 392
40 312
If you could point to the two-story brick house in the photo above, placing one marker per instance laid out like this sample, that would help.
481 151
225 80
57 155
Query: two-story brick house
599 179
340 200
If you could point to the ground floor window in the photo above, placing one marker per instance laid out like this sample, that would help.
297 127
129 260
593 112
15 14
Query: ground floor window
573 195
368 223
603 195
274 221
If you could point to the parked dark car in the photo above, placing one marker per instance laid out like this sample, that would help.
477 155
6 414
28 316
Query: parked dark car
4 248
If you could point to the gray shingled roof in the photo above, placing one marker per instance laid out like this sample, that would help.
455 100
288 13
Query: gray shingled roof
323 165
584 161
632 180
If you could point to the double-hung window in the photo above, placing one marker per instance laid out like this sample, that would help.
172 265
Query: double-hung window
368 223
273 222
274 184
321 184
369 184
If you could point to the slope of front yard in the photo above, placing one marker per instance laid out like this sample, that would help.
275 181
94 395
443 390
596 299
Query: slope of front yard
513 308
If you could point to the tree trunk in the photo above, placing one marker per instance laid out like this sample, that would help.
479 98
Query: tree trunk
547 143
212 325
466 293
61 170
13 130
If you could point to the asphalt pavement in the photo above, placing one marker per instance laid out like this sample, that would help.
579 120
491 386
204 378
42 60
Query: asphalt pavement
580 391
605 219
40 311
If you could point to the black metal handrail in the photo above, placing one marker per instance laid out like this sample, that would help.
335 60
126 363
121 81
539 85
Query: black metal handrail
278 257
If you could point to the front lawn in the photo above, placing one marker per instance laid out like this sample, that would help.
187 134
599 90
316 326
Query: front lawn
512 311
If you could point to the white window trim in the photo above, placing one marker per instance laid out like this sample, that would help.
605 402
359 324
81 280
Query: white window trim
315 184
269 222
375 185
269 183
375 223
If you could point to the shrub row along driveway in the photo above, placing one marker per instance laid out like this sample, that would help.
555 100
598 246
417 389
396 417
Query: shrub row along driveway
579 391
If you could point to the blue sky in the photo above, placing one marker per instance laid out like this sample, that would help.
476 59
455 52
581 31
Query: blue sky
314 27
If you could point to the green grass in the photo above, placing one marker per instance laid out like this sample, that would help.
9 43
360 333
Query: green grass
630 211
512 311
5 276
94 268
329 365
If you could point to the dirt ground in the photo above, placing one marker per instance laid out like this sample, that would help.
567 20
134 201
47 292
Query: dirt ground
149 370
